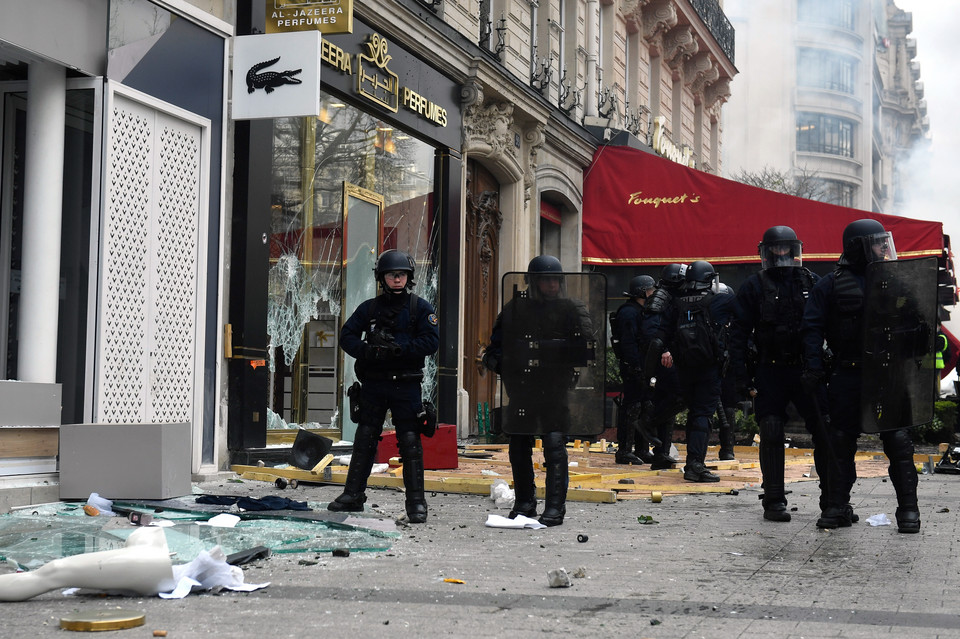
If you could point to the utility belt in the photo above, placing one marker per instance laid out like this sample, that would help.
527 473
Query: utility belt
392 376
782 361
426 418
849 364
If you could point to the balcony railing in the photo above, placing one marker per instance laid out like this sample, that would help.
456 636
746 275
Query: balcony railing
718 24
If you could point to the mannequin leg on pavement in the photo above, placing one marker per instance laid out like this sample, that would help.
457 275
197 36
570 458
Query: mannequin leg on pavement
142 566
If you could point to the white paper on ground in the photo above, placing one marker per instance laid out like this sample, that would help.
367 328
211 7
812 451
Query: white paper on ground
209 570
879 520
499 521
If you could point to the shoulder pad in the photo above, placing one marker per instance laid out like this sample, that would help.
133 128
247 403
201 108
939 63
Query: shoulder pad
658 302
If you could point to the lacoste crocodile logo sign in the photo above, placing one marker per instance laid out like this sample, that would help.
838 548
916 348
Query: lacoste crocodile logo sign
270 80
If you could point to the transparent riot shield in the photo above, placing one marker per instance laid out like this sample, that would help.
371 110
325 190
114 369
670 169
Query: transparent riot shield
553 365
900 325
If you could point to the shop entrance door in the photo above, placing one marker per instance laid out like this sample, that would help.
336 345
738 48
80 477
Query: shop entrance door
482 285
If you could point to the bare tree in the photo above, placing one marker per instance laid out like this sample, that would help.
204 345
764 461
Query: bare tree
801 183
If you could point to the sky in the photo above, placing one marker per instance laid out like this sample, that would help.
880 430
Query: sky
935 174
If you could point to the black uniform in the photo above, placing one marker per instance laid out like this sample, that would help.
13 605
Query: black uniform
390 336
659 316
695 346
627 340
834 313
770 307
538 395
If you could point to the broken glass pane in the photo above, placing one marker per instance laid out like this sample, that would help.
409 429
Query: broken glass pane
34 536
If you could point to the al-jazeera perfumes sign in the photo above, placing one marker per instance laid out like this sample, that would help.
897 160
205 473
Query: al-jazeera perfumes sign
325 16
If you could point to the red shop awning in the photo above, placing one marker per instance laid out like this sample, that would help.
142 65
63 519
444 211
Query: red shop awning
639 208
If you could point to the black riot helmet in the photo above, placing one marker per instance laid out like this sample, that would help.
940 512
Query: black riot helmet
542 267
639 286
673 276
390 261
701 276
866 241
780 248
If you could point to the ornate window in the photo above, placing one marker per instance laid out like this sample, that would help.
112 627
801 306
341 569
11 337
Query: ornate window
821 69
818 133
836 13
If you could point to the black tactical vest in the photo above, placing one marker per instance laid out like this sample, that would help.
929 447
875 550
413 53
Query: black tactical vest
778 328
845 322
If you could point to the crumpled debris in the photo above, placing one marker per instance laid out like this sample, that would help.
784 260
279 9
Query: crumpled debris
559 578
269 502
209 571
879 520
105 506
502 494
499 521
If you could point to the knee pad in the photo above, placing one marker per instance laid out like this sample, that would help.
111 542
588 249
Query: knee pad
897 445
771 429
408 441
554 448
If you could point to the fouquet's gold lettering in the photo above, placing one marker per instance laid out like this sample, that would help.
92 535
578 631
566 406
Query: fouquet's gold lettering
424 107
638 199
664 146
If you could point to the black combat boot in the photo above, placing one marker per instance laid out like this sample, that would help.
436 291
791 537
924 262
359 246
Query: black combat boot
728 434
411 452
698 472
771 467
838 480
642 448
903 475
625 439
361 462
697 437
555 462
524 488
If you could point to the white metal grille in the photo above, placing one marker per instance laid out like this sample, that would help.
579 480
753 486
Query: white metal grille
151 254
125 275
175 270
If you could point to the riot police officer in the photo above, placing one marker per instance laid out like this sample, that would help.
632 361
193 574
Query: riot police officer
727 408
835 312
770 308
659 315
390 336
695 347
538 396
626 340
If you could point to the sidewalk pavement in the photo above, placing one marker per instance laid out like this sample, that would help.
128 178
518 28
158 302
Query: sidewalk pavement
710 567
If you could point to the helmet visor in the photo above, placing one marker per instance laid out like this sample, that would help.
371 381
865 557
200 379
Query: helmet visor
879 247
784 253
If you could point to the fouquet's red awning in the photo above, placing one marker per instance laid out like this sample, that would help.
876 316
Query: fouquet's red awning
639 208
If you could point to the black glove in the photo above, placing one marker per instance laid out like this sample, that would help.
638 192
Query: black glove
380 353
491 361
811 379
